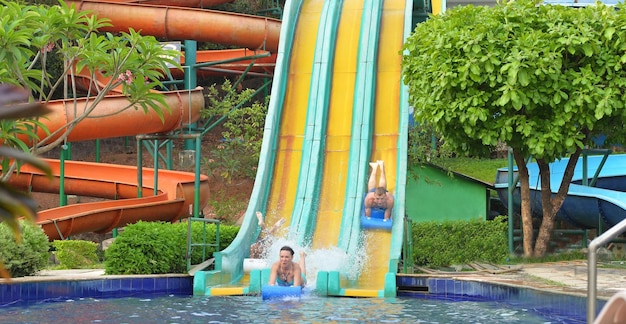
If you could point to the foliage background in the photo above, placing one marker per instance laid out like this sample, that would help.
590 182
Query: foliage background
160 248
440 244
28 256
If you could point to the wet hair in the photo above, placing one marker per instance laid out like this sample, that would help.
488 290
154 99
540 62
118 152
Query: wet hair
287 248
380 191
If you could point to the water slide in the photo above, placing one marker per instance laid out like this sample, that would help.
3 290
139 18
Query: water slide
168 199
223 62
172 195
589 204
337 103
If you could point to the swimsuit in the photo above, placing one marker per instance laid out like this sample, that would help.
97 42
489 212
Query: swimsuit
283 283
280 282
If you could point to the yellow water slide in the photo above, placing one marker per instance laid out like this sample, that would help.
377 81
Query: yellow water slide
384 130
387 144
288 151
339 127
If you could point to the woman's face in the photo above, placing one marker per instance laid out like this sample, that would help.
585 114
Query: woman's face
285 257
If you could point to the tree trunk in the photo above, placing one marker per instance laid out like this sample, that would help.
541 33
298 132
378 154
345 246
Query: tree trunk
550 205
549 214
527 221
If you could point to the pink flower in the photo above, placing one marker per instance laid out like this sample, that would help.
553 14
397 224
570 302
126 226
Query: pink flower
48 48
126 77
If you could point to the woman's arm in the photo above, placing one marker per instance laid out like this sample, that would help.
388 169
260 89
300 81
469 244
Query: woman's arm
297 275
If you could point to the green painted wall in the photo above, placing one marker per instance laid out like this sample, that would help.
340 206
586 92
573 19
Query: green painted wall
434 195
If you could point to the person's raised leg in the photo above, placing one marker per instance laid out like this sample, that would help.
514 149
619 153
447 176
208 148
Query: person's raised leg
382 182
302 264
371 182
259 216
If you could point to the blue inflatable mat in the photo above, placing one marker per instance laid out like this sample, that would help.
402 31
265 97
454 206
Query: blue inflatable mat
376 221
277 292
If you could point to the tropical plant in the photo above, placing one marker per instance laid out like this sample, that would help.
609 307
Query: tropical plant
238 153
14 107
30 34
541 78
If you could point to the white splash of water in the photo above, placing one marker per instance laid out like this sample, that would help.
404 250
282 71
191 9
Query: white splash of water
326 259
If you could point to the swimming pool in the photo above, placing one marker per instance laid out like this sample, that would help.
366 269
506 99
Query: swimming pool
247 309
167 299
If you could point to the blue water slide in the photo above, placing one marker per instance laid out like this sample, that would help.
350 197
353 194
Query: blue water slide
586 207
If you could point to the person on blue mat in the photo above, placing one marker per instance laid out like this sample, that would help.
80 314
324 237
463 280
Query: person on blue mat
377 194
285 272
257 249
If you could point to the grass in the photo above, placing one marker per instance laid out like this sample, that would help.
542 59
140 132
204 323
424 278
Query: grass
481 169
554 257
545 281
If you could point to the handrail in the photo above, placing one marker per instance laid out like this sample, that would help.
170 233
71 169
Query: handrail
407 255
592 275
204 244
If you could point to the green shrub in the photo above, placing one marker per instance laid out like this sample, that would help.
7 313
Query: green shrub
158 248
76 254
28 256
438 244
142 248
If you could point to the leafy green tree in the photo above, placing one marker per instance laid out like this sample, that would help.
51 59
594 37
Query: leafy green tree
30 34
541 78
243 120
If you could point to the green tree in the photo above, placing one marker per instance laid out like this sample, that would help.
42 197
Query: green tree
541 78
30 34
243 120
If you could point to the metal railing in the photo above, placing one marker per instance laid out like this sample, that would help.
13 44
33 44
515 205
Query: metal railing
592 274
204 244
407 251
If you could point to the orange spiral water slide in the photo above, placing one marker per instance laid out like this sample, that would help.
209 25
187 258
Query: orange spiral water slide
172 196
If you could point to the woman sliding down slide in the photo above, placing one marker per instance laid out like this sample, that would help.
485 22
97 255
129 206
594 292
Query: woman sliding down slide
285 272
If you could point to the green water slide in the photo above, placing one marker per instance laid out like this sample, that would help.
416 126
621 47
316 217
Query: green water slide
228 276
303 219
367 144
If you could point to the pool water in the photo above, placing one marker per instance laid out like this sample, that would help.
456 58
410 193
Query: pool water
247 309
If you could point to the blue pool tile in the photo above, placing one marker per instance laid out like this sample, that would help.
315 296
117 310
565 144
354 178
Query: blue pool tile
148 284
5 293
126 286
160 285
449 287
29 291
458 288
53 290
91 288
136 284
174 285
